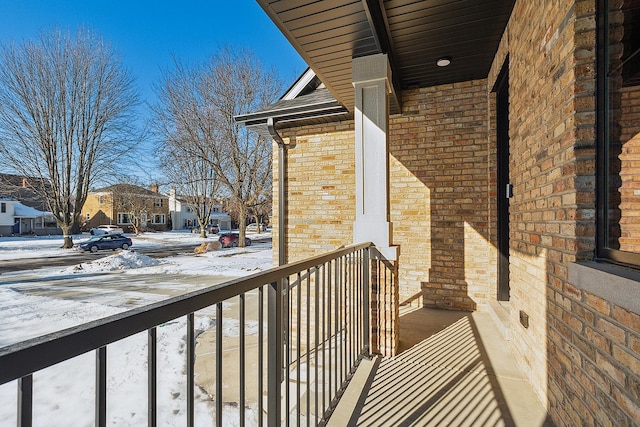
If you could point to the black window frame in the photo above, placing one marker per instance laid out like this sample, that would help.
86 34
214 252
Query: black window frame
603 251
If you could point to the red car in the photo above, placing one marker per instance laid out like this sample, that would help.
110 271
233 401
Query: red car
230 240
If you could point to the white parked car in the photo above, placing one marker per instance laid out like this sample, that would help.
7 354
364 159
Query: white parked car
106 229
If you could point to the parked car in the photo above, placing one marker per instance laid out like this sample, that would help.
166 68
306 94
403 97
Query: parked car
106 229
106 241
214 229
254 227
230 240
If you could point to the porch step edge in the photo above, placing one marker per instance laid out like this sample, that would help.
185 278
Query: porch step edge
499 312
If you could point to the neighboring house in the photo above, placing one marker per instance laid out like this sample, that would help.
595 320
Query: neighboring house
183 218
19 219
490 152
23 188
123 204
7 208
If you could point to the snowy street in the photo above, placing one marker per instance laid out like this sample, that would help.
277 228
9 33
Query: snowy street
36 302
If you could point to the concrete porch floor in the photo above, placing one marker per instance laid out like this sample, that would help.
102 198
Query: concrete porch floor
453 368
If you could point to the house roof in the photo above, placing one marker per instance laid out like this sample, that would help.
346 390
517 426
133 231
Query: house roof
413 33
314 107
23 211
23 188
306 102
128 189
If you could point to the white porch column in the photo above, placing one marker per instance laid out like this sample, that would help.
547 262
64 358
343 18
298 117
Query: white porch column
372 81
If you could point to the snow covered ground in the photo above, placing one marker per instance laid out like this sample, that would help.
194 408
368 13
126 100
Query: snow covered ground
32 304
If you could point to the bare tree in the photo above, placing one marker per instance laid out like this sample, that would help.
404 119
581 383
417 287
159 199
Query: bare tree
197 111
194 180
65 116
135 202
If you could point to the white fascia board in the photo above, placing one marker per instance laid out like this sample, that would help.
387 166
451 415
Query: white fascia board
297 87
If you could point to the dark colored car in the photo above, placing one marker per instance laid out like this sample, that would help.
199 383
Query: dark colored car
106 241
230 240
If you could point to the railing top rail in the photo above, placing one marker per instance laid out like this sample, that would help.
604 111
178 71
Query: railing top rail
25 357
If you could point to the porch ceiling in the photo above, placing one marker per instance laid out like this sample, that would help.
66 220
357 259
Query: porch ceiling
414 33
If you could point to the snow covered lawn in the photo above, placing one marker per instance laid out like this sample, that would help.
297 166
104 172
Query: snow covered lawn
47 246
64 394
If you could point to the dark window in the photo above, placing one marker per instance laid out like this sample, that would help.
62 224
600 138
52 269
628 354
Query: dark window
3 207
619 131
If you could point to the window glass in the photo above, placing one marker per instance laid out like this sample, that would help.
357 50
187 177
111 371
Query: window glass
124 218
620 95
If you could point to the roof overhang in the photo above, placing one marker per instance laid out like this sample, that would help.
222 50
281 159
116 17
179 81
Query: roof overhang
307 102
414 34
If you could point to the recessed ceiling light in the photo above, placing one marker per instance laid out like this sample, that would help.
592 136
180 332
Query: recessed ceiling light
444 61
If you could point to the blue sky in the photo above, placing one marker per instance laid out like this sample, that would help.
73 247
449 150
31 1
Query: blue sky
147 33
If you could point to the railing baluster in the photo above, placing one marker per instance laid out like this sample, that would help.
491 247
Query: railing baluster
101 386
354 312
152 378
242 362
274 353
298 346
345 323
260 353
325 303
219 364
366 262
339 329
317 340
288 332
308 352
350 308
337 319
191 362
358 302
332 336
25 401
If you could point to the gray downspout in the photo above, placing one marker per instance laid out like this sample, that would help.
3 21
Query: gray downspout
281 189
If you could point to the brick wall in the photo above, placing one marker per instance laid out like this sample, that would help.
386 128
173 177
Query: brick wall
630 170
545 231
440 182
320 190
596 347
98 213
438 195
580 349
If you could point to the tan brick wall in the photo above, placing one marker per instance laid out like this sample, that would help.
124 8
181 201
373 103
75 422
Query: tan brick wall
440 187
544 234
630 170
98 213
107 211
320 190
438 196
578 354
596 347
